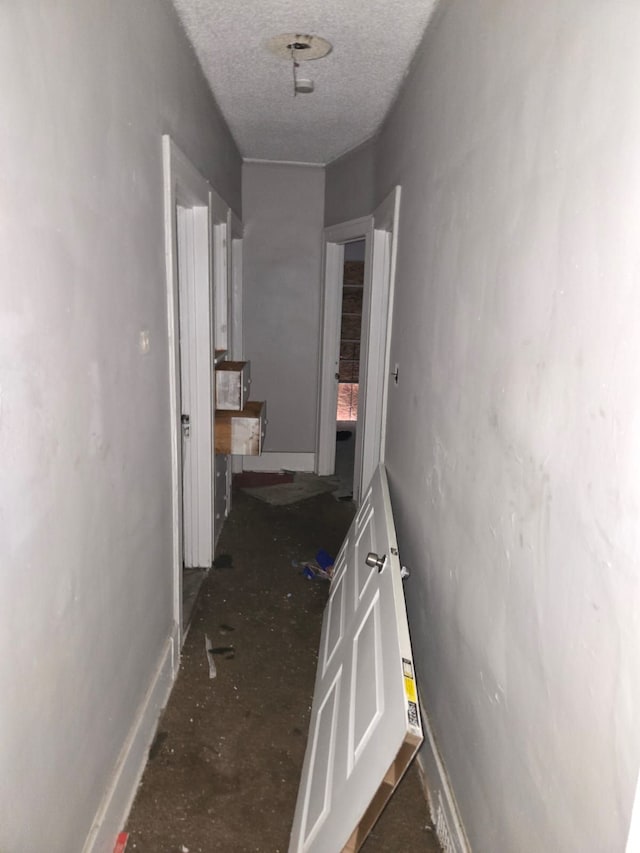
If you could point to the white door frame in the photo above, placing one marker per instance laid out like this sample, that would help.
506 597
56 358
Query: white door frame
184 186
386 222
236 351
234 260
379 231
335 238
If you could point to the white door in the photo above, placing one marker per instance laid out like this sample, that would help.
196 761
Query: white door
195 385
365 726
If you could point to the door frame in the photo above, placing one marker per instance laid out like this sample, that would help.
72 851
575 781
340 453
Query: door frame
386 223
236 352
185 186
380 232
335 238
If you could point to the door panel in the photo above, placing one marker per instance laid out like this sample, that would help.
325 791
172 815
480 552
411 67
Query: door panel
195 385
334 622
187 349
363 712
366 700
318 798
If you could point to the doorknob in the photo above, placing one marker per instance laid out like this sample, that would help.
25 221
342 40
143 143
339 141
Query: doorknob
375 561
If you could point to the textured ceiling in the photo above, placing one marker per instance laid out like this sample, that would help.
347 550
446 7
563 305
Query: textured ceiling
373 43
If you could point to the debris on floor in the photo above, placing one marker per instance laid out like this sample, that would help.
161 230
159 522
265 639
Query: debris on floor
312 571
121 842
325 560
229 652
211 660
226 763
320 568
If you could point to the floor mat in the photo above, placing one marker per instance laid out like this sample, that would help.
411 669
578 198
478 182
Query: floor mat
304 486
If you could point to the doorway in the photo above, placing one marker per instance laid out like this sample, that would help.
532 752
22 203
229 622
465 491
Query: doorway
349 365
194 251
196 221
378 233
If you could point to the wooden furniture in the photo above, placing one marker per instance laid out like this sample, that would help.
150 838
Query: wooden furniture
233 379
241 432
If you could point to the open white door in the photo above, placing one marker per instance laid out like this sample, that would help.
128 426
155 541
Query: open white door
194 216
365 726
195 384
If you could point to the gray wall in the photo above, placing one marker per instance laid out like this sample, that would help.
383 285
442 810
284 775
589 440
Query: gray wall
513 437
283 209
349 191
85 494
354 251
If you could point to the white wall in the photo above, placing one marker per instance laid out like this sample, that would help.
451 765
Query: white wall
85 495
283 208
514 434
349 189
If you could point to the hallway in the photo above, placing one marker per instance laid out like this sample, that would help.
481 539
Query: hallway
225 765
489 155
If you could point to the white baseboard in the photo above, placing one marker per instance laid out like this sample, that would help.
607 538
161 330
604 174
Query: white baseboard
118 798
439 793
280 462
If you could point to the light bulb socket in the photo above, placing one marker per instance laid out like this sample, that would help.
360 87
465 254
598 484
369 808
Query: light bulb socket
304 87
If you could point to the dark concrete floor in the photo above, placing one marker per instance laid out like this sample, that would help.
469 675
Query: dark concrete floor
223 772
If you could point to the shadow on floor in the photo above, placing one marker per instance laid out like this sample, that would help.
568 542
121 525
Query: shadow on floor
345 457
224 769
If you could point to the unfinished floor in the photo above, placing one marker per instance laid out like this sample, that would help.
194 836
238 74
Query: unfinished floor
223 772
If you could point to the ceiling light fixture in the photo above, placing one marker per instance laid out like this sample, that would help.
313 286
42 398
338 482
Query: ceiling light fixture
300 86
303 86
297 47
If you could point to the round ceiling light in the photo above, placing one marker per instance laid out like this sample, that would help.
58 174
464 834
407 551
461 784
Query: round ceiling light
298 46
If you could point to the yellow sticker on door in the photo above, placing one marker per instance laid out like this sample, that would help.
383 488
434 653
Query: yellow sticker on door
409 681
410 689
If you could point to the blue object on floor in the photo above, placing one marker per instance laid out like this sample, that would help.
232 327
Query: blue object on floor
324 559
